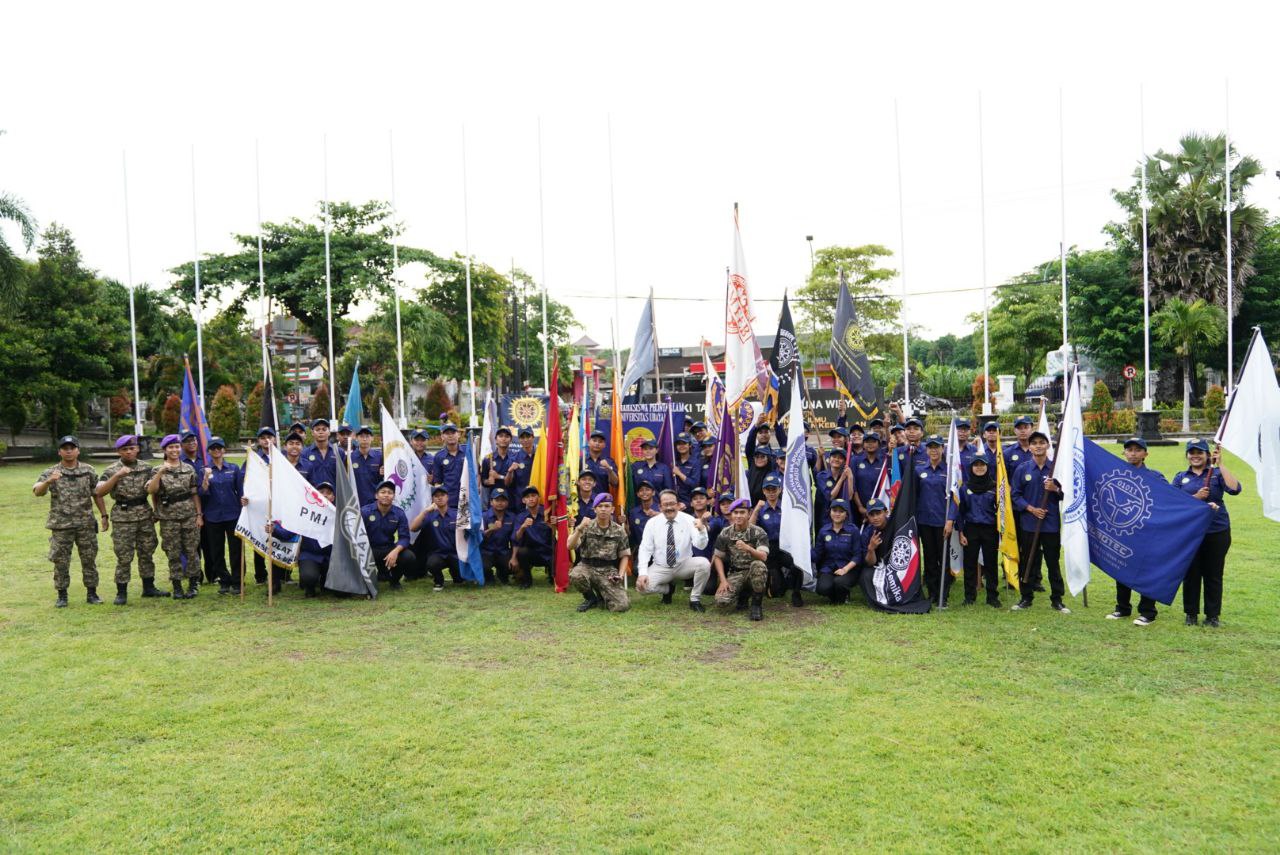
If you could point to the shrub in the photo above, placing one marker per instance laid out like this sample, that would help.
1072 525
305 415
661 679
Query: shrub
1101 414
1215 401
224 414
120 406
319 407
3 448
437 402
381 398
170 414
14 415
975 392
253 407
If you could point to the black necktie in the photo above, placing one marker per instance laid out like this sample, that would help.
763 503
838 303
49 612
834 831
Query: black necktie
671 543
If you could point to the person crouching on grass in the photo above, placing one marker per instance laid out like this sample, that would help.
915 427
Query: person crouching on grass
604 554
388 529
744 547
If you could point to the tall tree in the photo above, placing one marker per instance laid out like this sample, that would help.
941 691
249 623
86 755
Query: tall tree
1025 322
1105 305
15 211
1185 326
815 301
1187 220
1261 303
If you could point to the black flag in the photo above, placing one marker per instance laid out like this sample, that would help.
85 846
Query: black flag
784 358
849 358
894 583
268 417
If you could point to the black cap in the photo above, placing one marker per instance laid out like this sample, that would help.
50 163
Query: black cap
587 473
266 430
317 423
324 484
698 491
698 426
68 440
525 431
498 493
877 422
644 483
530 489
295 437
837 452
597 434
1136 440
188 434
216 442
385 483
1038 433
502 430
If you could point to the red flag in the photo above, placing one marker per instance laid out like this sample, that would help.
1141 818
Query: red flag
555 476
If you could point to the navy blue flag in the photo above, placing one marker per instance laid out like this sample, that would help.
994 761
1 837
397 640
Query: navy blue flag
1142 532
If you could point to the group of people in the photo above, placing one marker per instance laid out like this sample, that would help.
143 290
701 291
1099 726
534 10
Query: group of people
676 530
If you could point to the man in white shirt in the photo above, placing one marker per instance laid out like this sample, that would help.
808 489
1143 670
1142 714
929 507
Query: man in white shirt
669 540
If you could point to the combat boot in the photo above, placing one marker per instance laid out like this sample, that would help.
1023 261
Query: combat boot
122 594
193 588
757 607
743 598
796 599
177 591
671 590
62 599
588 603
149 589
91 597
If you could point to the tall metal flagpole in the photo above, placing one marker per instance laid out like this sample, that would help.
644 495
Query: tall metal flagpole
262 279
1062 245
986 293
328 292
613 231
199 313
902 259
133 323
466 235
542 239
1230 285
1145 204
653 331
395 282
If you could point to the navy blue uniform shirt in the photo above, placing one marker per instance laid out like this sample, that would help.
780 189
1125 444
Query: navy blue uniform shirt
446 471
221 502
1190 482
1027 489
833 549
386 531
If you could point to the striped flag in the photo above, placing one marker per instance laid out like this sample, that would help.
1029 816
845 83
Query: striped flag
468 533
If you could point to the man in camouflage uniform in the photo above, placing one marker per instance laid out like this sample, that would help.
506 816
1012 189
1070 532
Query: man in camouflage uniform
174 486
744 547
133 526
604 552
69 484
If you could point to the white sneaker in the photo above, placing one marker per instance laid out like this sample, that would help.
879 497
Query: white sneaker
1060 609
438 588
1144 621
1117 616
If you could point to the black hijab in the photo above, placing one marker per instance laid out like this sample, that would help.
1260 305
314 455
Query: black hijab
983 483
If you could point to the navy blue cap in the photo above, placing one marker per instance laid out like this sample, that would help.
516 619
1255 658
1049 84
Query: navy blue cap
216 442
1022 420
320 421
842 504
991 426
1198 445
648 443
530 489
344 428
697 425
1136 440
295 436
685 438
709 442
188 434
772 480
764 449
586 473
526 431
872 435
266 430
323 484
439 488
875 505
1038 433
726 496
896 428
501 430
979 458
597 434
963 423
68 440
384 483
365 429
857 426
644 482
448 426
698 491
838 432
498 493
913 421
838 452
418 434
935 440
877 422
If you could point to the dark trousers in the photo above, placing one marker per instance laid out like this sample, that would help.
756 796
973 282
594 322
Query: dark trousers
783 573
934 547
1206 570
1146 605
259 569
836 588
311 574
1048 547
983 540
530 557
436 563
406 563
218 539
495 563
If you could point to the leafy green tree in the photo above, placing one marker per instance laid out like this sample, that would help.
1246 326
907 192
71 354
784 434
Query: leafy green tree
437 401
815 302
253 407
1260 305
224 414
1025 323
1185 326
1105 304
14 415
446 293
15 211
381 397
1186 223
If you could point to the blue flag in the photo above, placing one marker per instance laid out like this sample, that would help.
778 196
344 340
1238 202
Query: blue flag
1142 532
667 438
354 413
644 354
470 522
192 418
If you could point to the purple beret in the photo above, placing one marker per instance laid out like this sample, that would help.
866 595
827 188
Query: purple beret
740 503
127 439
603 497
170 440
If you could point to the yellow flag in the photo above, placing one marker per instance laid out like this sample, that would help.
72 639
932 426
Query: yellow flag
573 460
1006 522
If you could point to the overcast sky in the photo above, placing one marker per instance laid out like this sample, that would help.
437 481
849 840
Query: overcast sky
787 109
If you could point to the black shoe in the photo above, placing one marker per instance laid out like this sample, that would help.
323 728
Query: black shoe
178 593
193 588
122 595
1212 621
587 605
395 585
1039 589
796 599
224 587
743 599
1192 620
91 597
968 601
666 598
757 609
62 600
1020 605
696 606
234 590
995 603
309 593
525 584
149 589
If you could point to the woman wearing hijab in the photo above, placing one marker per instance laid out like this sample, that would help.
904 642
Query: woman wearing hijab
976 519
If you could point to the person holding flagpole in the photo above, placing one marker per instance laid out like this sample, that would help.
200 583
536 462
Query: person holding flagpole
1135 454
1037 497
931 517
1209 481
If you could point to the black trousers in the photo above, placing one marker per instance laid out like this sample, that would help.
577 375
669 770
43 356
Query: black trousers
436 563
495 563
783 573
259 569
406 563
836 588
530 557
1146 605
934 547
1206 569
218 539
983 540
1048 548
311 574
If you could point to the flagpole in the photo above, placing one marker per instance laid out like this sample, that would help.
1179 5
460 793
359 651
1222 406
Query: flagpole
542 243
653 331
1062 245
902 244
395 283
466 236
1145 204
195 243
986 293
613 231
263 306
133 324
1230 284
328 289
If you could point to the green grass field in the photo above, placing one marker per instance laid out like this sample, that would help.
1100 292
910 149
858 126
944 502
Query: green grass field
504 720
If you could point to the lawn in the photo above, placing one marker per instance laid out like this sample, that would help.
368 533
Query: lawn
503 720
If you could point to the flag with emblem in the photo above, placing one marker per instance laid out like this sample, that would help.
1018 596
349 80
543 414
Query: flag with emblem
893 584
746 374
573 461
1068 471
724 463
1006 521
849 357
468 533
297 505
351 566
191 417
713 402
557 481
797 494
955 478
251 526
784 359
403 468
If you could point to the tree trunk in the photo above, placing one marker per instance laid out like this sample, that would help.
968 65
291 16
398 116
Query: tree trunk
1186 395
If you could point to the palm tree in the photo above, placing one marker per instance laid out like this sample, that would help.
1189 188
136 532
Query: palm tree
1184 326
1186 221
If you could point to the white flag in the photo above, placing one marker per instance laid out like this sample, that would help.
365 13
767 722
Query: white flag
745 371
1043 427
797 501
403 468
251 527
298 506
1068 470
1251 426
955 477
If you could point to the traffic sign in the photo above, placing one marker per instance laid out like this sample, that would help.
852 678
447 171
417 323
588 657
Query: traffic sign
1130 372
